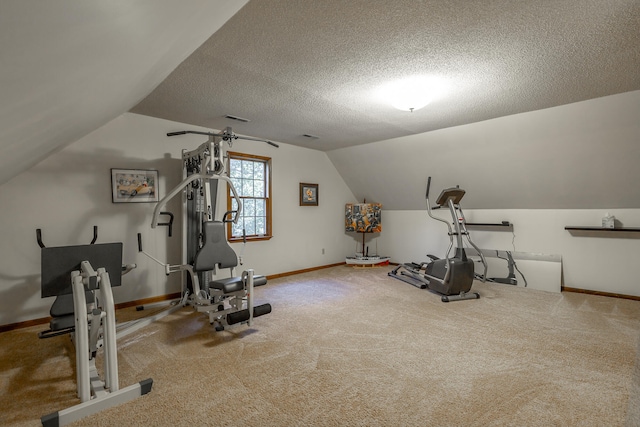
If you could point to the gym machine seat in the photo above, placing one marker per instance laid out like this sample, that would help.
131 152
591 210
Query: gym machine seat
216 253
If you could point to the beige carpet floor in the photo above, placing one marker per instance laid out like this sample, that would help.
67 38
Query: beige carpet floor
353 347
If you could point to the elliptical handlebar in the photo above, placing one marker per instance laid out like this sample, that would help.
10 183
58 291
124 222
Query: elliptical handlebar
429 209
428 186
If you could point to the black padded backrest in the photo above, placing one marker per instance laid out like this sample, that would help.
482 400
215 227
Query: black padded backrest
215 249
63 304
57 263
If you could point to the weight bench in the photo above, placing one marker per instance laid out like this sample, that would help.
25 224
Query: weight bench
226 301
84 308
216 254
62 318
57 263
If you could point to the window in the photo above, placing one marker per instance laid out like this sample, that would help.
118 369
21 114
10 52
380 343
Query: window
251 176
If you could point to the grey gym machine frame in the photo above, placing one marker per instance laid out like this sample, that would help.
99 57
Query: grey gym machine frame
453 276
203 168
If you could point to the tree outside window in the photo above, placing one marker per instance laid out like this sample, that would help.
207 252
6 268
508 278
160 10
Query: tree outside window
251 176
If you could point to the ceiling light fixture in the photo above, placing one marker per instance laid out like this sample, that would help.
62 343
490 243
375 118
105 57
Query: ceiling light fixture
413 93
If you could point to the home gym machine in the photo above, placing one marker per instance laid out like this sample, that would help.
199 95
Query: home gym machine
84 308
226 301
452 277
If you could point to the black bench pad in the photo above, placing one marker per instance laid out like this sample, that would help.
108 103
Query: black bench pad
234 284
62 322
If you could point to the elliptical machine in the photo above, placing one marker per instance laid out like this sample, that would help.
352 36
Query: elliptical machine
452 277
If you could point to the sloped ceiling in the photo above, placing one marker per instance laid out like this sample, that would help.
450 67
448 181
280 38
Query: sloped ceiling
577 156
313 67
68 67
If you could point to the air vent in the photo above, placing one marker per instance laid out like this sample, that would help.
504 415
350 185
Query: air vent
236 118
308 135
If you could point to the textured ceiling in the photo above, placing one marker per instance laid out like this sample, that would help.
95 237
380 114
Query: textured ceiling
313 67
68 67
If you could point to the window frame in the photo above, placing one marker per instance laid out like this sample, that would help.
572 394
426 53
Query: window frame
268 196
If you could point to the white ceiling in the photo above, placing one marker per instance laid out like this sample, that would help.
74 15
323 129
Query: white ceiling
68 67
312 67
295 67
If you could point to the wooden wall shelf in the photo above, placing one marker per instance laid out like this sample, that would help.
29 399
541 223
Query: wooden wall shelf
623 232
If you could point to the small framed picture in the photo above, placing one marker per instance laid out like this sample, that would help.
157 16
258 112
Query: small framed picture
134 185
308 194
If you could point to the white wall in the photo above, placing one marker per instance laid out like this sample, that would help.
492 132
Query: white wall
594 263
300 232
577 156
69 192
541 170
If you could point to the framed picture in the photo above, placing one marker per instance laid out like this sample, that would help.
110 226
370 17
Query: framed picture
134 185
308 194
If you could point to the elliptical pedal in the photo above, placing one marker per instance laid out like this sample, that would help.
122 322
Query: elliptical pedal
461 296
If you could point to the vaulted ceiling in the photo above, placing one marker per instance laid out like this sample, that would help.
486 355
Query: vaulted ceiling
68 67
298 67
314 67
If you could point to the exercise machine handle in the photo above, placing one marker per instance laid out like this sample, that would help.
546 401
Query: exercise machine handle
39 238
42 245
230 216
95 234
180 187
227 135
195 132
167 224
166 266
428 186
